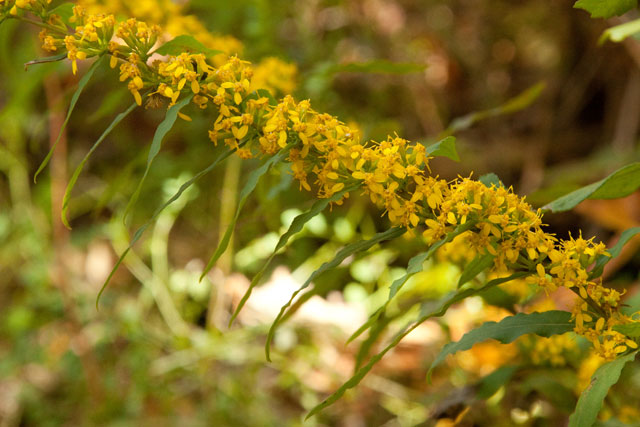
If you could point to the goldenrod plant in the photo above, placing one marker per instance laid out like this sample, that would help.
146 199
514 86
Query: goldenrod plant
505 239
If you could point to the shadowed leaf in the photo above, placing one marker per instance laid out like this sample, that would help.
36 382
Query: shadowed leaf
510 328
74 100
345 252
140 231
248 188
426 313
163 128
76 173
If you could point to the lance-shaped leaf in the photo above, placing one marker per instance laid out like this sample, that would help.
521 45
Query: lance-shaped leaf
592 397
345 252
620 32
414 266
248 188
479 264
296 226
630 329
74 100
426 313
376 329
603 260
376 66
490 384
76 173
163 128
44 60
545 324
515 104
620 183
64 11
140 231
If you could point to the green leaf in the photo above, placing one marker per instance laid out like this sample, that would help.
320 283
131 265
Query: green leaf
620 32
498 297
76 173
163 128
295 227
490 384
44 60
630 329
444 148
508 329
603 260
414 266
376 66
140 231
185 43
248 188
620 183
553 386
513 105
64 11
74 99
264 93
425 314
350 249
491 179
374 333
591 399
475 267
606 8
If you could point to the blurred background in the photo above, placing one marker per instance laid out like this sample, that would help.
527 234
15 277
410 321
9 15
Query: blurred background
525 88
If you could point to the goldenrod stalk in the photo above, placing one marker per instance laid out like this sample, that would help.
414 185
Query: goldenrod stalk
328 155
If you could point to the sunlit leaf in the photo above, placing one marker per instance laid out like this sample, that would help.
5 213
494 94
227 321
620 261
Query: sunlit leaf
620 32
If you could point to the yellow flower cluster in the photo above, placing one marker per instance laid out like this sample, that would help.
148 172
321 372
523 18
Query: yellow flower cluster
37 6
326 153
272 74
